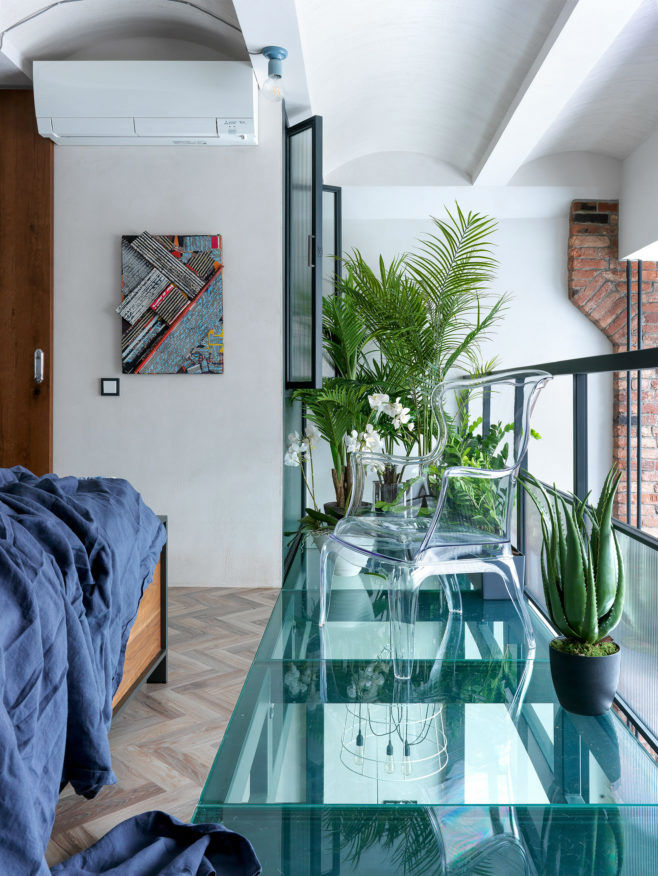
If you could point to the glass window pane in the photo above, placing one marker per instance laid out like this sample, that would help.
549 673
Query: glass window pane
300 218
328 242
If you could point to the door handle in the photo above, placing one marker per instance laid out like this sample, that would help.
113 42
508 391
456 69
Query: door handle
311 248
39 362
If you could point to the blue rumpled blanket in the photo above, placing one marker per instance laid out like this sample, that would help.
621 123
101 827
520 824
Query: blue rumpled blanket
157 844
75 556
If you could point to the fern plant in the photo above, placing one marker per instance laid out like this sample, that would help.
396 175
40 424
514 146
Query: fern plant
581 564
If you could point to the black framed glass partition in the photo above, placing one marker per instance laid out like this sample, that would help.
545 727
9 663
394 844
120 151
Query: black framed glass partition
303 321
332 237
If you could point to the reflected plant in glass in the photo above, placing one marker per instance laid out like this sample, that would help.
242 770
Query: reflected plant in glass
581 846
410 845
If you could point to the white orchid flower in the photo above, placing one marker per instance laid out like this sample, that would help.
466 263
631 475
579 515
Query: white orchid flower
292 458
399 413
312 435
294 441
371 439
379 401
352 442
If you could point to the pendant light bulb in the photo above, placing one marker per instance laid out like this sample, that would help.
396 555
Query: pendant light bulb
358 753
273 87
389 766
406 760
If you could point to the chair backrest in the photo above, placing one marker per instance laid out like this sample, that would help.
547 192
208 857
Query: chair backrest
463 491
484 424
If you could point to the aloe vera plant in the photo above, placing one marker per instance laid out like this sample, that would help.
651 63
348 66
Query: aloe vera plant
581 564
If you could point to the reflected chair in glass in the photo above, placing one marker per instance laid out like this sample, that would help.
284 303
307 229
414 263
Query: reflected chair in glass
428 518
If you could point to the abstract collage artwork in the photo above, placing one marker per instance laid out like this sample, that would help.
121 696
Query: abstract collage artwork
171 308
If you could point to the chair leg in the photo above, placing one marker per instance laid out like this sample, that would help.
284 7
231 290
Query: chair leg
453 593
327 565
403 587
507 570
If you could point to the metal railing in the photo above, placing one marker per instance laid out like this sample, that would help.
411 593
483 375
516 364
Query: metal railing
639 709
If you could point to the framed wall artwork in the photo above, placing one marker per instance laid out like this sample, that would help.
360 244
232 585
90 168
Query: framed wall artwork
171 308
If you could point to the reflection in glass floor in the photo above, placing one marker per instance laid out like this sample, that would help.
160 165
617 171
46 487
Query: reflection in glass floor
330 765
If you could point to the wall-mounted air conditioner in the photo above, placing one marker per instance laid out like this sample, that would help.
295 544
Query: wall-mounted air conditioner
133 103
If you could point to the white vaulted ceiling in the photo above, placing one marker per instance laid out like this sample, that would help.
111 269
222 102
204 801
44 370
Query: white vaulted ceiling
429 76
617 105
462 89
120 30
445 78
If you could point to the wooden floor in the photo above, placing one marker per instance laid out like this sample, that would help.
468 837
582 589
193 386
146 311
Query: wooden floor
165 739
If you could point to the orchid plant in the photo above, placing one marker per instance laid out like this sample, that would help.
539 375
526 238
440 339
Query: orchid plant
300 450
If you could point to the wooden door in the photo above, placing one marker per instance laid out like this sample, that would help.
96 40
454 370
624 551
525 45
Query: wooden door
26 285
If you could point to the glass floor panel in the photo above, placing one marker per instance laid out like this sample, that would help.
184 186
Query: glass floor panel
330 761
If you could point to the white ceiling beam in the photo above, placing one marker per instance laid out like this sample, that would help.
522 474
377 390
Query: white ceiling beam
583 32
265 23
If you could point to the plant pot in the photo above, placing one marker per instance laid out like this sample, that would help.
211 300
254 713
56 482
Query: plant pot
338 512
585 685
493 586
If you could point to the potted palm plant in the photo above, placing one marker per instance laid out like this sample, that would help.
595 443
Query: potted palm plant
389 336
583 575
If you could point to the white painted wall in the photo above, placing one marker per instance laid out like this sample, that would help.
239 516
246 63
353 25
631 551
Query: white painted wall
204 450
638 208
541 325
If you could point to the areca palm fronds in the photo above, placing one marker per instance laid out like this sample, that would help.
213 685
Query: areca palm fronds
336 409
454 267
344 335
428 311
394 310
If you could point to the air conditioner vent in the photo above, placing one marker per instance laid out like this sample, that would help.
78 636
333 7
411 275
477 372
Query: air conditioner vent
146 102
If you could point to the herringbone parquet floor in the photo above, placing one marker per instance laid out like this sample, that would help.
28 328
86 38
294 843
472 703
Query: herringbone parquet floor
165 739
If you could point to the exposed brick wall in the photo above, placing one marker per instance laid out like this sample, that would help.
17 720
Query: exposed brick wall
597 287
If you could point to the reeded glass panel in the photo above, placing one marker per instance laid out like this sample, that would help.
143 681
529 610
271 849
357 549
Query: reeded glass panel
300 273
329 255
638 631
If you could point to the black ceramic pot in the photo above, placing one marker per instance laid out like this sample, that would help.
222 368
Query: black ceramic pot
585 685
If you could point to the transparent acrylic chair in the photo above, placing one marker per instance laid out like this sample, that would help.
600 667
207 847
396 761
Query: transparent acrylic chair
428 518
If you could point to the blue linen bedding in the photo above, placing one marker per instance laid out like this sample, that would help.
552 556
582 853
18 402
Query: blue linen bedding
75 557
157 844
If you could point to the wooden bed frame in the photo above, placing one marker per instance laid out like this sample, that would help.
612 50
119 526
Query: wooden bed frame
146 651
